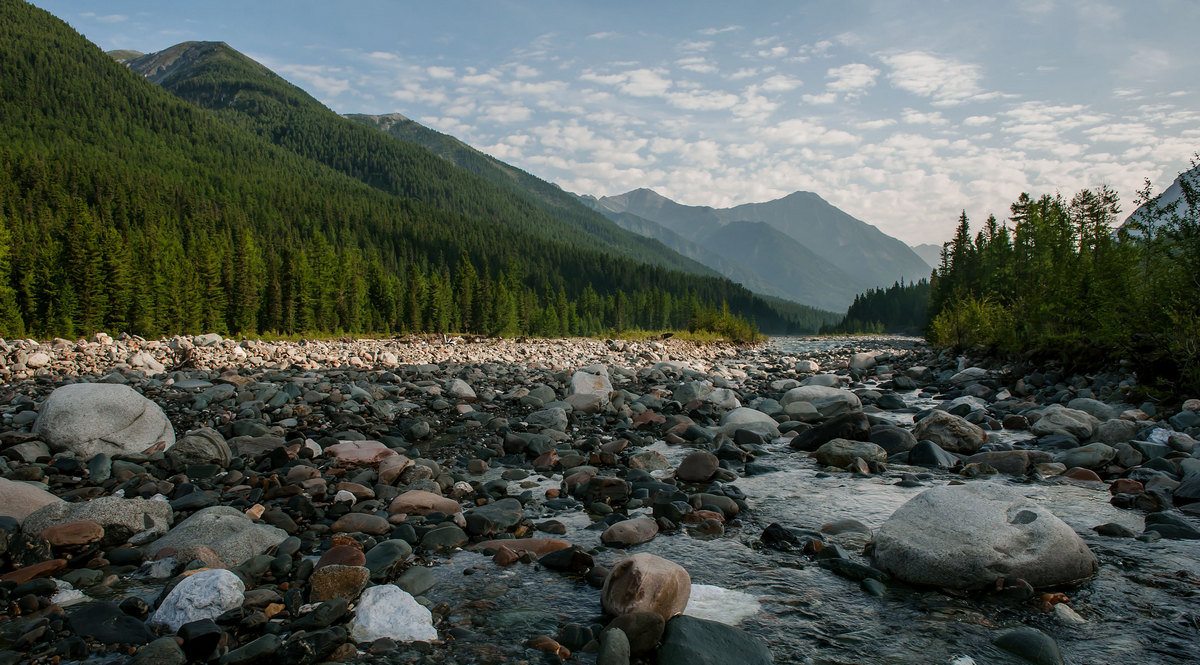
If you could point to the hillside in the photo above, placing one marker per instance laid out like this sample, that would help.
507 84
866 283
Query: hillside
124 208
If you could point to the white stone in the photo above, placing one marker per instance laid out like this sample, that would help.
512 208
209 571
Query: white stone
719 604
38 360
808 367
93 418
828 401
343 496
460 389
751 419
204 595
592 380
389 611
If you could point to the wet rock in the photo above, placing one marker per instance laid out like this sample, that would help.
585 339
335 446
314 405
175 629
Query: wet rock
260 650
646 583
106 623
1030 644
416 580
1011 462
929 454
827 401
388 611
568 560
614 648
1058 419
841 453
697 467
232 535
950 432
204 595
749 419
538 546
631 532
73 534
892 439
691 641
968 536
92 418
163 651
200 639
1091 456
445 537
383 559
1173 525
361 523
553 418
853 426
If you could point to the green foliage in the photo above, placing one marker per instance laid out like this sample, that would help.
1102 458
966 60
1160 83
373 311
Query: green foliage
900 308
724 324
128 209
1062 282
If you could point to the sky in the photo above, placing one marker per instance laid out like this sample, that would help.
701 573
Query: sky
901 113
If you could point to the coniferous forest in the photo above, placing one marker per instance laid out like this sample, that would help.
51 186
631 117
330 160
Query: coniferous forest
125 208
900 308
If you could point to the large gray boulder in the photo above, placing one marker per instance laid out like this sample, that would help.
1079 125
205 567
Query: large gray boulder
828 401
749 419
950 432
232 535
201 446
121 518
1058 419
841 452
93 418
969 536
592 380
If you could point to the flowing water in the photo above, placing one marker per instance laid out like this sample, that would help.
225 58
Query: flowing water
1143 606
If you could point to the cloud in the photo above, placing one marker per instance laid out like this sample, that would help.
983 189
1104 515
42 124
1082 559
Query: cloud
852 79
507 113
440 72
696 64
978 120
773 52
945 81
876 124
694 46
823 98
799 131
915 117
709 32
635 82
780 83
327 81
603 35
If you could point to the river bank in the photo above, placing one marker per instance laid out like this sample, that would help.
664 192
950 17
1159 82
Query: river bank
370 463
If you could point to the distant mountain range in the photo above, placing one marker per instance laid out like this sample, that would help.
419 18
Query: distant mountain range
799 247
929 253
1172 195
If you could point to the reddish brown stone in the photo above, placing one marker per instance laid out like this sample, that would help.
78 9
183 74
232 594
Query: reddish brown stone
341 555
647 417
73 534
360 492
545 643
539 546
546 459
359 453
505 557
35 571
1080 473
420 502
1126 486
334 581
362 523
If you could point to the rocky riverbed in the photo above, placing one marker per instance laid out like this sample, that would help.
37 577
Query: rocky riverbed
450 500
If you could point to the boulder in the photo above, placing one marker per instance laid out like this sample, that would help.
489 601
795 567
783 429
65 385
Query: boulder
554 418
950 432
628 533
969 536
420 502
232 535
749 419
92 418
841 452
18 499
120 518
828 401
892 439
387 611
698 467
1058 419
853 426
202 446
204 595
646 583
460 389
1091 456
862 361
592 381
1011 462
929 454
691 641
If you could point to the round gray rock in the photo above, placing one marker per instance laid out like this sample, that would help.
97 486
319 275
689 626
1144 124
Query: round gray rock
841 452
93 418
232 535
969 536
950 432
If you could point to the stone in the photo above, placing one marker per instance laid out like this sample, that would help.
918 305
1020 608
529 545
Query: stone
73 534
337 581
1172 525
807 367
1117 431
841 452
206 594
361 523
1093 407
628 533
341 555
750 419
862 361
445 537
1011 462
1058 419
646 583
163 651
383 559
420 502
460 389
892 439
950 433
828 401
416 580
553 418
201 446
232 535
106 623
642 629
120 518
20 499
969 536
92 418
359 453
969 375
388 611
1030 644
538 546
592 380
691 641
1091 456
697 467
853 426
614 648
260 650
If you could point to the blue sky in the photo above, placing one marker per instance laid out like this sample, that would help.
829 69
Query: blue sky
900 113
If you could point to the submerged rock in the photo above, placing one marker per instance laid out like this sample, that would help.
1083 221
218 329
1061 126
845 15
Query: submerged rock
969 536
646 583
692 641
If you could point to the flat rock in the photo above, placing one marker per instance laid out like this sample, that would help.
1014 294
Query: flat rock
232 535
969 536
826 400
841 452
120 518
420 502
20 499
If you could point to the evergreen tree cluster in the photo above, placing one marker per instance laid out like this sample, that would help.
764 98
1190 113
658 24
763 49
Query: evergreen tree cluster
1062 281
124 208
900 308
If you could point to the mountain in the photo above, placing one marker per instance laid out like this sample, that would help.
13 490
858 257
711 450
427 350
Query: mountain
252 208
1172 196
829 256
929 253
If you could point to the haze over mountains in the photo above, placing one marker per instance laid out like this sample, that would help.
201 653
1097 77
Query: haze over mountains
802 247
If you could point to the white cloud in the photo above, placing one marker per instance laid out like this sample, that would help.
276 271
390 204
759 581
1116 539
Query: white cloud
946 82
507 113
474 79
695 46
603 35
635 82
798 131
440 72
978 120
780 83
709 32
915 117
876 124
696 64
823 98
773 52
852 79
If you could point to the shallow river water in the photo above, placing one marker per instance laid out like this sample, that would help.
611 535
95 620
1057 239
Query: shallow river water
1142 607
